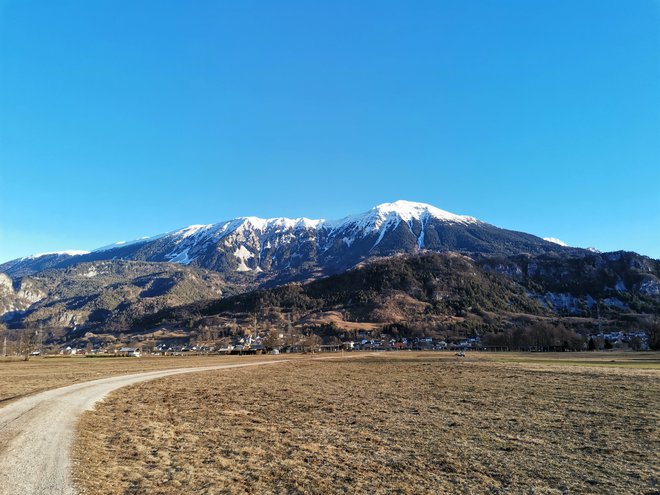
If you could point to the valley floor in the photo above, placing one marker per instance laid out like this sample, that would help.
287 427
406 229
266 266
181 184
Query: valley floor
20 378
393 423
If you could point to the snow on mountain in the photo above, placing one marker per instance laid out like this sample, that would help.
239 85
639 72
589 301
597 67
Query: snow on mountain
71 252
253 241
392 213
281 223
140 240
554 240
289 248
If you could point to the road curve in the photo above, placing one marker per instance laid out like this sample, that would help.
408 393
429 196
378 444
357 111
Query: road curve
36 432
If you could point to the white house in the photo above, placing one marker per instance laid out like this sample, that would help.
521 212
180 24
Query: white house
130 351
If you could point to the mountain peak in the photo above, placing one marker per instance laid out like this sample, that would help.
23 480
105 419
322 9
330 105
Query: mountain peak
387 214
409 210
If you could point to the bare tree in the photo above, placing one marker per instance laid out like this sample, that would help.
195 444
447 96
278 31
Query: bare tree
273 339
311 342
26 342
3 336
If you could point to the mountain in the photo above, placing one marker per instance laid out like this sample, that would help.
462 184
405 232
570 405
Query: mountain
278 250
475 269
446 293
108 294
35 263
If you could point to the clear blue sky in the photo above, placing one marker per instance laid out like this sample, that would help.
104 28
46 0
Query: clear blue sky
120 119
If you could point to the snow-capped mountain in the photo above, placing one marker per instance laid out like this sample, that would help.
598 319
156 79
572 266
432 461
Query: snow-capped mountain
113 287
280 249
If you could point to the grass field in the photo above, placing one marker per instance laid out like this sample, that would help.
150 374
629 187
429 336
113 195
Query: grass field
618 359
397 423
19 378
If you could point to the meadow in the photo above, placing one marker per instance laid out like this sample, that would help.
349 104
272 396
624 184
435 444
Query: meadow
405 423
19 378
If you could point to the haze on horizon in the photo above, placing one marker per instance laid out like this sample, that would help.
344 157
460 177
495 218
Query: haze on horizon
122 120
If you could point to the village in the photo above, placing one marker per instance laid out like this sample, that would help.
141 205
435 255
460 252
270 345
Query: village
277 343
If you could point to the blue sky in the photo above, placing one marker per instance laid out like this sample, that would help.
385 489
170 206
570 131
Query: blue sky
120 119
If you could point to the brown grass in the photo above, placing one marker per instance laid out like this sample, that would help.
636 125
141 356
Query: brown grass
336 318
19 378
402 423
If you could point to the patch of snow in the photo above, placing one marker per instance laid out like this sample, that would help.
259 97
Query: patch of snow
384 228
121 244
70 252
191 230
180 258
554 240
420 239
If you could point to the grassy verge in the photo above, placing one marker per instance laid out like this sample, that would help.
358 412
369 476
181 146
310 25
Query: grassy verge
397 423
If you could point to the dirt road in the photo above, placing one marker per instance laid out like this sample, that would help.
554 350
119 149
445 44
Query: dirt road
36 432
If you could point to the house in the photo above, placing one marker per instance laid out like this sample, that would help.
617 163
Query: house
129 351
258 349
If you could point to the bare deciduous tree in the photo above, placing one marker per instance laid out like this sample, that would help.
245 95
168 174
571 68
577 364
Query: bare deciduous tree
3 337
311 342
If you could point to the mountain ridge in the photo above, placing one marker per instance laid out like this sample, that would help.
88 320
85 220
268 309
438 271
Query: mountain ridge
276 249
446 293
118 286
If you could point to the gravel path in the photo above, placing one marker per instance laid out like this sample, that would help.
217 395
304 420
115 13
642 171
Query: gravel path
36 433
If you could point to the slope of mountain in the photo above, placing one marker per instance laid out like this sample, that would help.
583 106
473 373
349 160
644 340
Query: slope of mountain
588 284
431 291
28 265
427 290
108 294
278 250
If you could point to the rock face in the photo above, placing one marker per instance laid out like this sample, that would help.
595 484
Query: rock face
18 296
582 284
104 293
277 250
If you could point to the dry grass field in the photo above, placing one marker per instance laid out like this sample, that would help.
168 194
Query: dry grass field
19 378
398 423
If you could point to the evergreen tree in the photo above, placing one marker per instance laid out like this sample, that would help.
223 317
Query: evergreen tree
592 344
